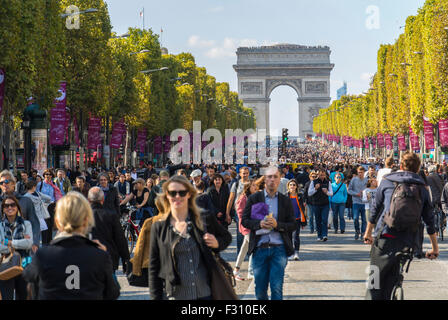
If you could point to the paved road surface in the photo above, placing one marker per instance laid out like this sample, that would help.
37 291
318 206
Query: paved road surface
334 270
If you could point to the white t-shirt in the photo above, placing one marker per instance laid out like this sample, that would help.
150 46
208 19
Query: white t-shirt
368 197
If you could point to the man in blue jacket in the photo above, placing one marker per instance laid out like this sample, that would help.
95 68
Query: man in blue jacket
389 241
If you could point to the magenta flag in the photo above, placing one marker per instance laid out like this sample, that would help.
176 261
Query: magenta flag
61 101
117 134
141 139
158 145
429 134
388 141
401 142
443 132
380 140
59 118
167 147
2 89
366 142
57 127
415 143
94 137
374 142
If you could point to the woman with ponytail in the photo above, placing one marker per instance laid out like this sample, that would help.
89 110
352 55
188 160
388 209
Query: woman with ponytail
73 267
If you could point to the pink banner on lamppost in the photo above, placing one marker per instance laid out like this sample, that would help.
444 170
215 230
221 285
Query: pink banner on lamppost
167 146
2 89
141 139
94 136
401 142
443 132
117 134
415 143
380 138
388 141
61 101
59 118
158 145
429 135
58 124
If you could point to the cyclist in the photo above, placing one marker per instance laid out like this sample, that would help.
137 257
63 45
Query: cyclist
389 241
141 196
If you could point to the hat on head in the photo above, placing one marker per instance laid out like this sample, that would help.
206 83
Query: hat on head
139 180
196 173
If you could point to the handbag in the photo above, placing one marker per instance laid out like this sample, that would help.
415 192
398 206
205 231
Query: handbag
10 265
222 280
137 281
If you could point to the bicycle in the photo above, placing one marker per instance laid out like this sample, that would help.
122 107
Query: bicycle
397 291
130 227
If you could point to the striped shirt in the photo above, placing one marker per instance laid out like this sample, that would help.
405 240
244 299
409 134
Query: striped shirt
194 281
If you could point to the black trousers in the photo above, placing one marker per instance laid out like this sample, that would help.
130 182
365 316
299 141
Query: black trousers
17 284
296 235
384 268
47 235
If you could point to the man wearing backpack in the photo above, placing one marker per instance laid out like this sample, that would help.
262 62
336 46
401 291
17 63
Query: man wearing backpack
402 201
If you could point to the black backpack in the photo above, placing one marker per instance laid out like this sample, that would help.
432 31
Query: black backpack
405 208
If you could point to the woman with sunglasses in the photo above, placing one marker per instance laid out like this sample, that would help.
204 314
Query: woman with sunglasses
181 245
299 211
338 201
15 233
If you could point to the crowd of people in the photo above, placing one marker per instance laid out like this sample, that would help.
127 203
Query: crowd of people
71 218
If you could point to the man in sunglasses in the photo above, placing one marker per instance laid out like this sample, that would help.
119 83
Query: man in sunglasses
8 185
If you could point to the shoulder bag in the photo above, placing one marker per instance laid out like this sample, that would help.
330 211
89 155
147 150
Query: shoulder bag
222 280
10 265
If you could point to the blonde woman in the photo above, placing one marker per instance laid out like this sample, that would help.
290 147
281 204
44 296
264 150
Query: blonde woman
181 244
73 267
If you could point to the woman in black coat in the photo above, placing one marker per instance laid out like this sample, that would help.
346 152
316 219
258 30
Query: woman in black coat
73 267
181 246
219 193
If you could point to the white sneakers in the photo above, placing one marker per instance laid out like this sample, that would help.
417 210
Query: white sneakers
294 257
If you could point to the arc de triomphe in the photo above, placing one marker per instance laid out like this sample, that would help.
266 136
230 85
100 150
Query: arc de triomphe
306 69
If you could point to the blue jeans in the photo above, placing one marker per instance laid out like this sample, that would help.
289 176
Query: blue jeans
321 215
310 212
239 236
269 268
359 210
338 214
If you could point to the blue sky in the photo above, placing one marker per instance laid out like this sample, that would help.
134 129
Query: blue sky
212 30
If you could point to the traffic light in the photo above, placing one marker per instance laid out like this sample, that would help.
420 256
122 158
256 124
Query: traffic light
285 135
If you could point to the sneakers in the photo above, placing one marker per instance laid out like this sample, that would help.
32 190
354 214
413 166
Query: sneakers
356 236
319 239
342 231
324 239
250 276
291 258
296 256
237 275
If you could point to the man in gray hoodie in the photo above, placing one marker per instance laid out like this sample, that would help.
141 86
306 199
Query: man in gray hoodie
355 189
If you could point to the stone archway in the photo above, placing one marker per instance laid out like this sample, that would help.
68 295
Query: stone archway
306 69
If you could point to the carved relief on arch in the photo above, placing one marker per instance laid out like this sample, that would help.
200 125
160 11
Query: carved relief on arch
271 84
312 112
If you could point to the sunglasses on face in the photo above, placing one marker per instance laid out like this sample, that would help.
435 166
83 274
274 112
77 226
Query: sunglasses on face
9 205
47 174
4 182
181 193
